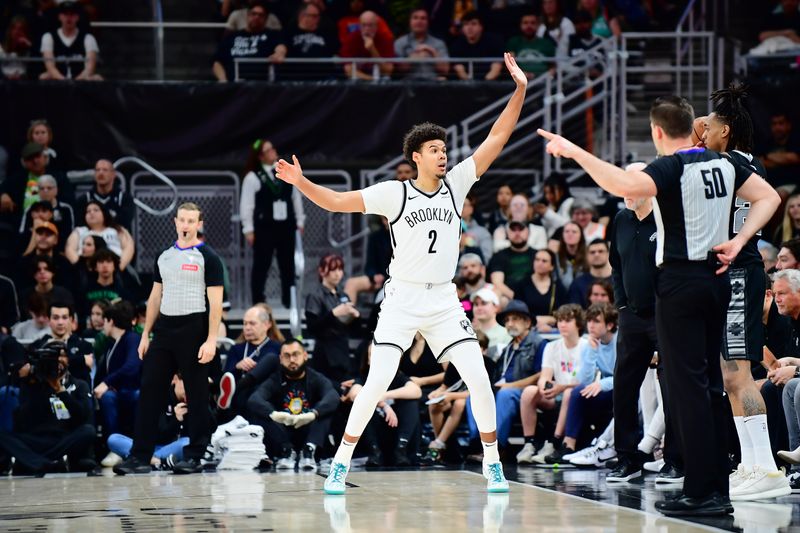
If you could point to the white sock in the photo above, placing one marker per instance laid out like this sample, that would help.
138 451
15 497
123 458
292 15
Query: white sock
490 453
648 443
345 452
756 427
748 454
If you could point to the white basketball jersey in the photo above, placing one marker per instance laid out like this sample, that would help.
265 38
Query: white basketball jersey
425 228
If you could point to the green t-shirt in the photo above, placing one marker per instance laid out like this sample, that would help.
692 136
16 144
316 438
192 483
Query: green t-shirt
532 54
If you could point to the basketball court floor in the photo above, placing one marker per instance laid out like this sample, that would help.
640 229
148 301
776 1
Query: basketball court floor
438 500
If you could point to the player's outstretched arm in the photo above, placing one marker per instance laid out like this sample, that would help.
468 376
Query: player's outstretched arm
489 149
338 202
632 183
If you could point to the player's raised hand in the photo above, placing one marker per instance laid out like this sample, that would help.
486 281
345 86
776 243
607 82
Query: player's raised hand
557 145
517 75
288 172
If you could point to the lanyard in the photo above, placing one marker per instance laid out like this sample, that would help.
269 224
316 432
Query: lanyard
257 351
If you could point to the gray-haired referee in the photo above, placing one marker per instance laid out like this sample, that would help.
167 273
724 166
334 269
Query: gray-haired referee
693 189
186 275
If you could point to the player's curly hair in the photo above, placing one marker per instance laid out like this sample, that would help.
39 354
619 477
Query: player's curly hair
419 135
730 110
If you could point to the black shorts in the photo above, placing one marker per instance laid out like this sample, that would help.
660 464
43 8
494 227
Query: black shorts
743 338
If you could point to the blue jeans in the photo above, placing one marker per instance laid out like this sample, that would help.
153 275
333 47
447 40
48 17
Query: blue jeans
578 406
9 400
121 445
507 402
116 402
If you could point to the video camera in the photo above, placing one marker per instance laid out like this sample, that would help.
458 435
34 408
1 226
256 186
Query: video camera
44 361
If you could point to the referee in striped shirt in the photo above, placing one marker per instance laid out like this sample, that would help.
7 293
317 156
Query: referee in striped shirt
183 312
693 190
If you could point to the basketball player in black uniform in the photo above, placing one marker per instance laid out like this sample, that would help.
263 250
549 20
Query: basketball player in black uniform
693 190
729 129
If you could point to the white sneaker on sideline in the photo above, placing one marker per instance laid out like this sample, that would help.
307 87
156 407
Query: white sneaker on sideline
526 454
111 459
594 456
761 484
792 457
580 453
654 466
287 463
738 476
546 450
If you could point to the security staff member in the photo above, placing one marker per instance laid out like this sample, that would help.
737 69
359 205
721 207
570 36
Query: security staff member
186 276
694 189
271 209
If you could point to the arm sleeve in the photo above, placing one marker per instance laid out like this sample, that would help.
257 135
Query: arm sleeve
588 365
497 263
607 383
47 43
318 317
215 273
126 211
552 221
440 48
247 201
90 43
620 297
299 211
664 172
548 356
386 198
259 402
328 398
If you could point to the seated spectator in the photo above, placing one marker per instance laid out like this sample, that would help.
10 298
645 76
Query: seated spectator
475 43
96 321
37 214
537 236
571 253
560 364
18 42
379 253
420 44
38 325
601 291
783 22
446 413
172 433
472 272
46 429
329 316
43 276
84 269
583 39
351 22
592 395
769 255
533 53
367 41
41 132
583 213
45 237
555 213
485 306
474 237
9 304
605 23
237 18
597 255
517 368
256 41
294 406
308 40
555 25
79 352
790 227
105 284
63 214
15 365
789 255
781 155
98 221
397 408
542 292
70 41
420 365
502 212
108 193
119 371
513 265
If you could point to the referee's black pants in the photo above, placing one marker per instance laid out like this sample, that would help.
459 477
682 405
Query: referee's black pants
176 341
691 307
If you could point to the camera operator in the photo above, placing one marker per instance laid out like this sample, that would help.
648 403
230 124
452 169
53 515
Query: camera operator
79 352
52 419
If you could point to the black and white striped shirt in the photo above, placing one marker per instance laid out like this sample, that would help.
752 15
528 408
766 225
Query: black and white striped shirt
185 273
696 189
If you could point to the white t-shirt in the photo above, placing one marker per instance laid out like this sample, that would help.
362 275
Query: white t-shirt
560 35
564 361
425 228
89 42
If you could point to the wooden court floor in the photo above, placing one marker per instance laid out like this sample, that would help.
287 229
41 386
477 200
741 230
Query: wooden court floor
437 500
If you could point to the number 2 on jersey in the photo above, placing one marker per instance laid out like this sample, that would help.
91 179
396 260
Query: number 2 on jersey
740 215
432 237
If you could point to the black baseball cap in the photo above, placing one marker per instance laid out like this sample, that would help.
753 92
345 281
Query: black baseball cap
516 224
31 149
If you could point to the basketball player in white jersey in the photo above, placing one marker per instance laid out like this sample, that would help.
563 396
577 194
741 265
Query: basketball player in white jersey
425 228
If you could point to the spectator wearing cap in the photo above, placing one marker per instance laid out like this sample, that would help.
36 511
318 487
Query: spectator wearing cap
62 214
518 366
73 42
583 39
256 41
485 306
475 238
108 192
537 236
37 213
542 291
46 237
514 264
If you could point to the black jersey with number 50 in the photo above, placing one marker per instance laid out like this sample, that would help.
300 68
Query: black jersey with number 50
749 253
